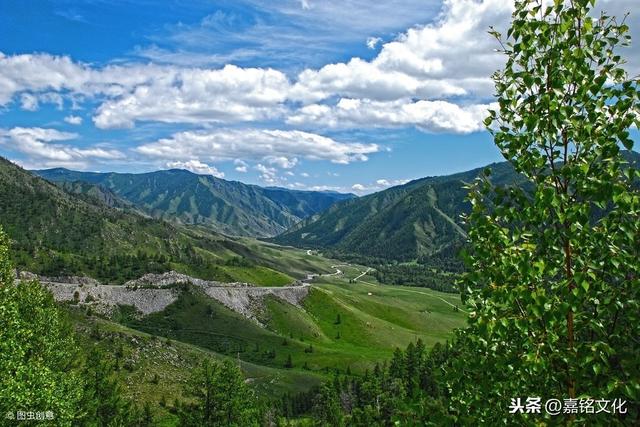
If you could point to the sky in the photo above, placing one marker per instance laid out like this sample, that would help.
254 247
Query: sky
342 95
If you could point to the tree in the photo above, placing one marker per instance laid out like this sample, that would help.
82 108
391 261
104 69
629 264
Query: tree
219 397
553 277
38 356
327 409
289 363
103 401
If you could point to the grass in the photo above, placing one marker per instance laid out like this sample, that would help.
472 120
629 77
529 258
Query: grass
154 369
258 275
341 325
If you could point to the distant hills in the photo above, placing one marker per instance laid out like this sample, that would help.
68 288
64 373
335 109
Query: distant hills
416 221
228 207
84 229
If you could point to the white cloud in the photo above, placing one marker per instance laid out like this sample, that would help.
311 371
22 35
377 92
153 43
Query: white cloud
230 94
430 116
29 102
276 147
44 148
372 42
135 92
380 184
73 120
435 77
334 188
454 56
241 166
197 167
268 175
304 175
282 161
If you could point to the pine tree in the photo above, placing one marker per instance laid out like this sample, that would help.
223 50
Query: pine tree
219 396
103 397
289 363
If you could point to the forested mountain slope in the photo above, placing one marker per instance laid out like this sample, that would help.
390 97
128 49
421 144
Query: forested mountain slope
87 230
229 207
418 220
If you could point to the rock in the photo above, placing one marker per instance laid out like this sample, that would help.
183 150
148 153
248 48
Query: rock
154 292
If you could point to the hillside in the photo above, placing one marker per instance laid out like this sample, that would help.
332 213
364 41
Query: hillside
58 232
418 220
228 207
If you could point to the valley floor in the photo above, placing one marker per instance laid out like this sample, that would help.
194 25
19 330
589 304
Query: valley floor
346 323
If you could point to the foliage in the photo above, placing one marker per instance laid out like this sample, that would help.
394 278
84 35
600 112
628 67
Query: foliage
41 366
553 275
416 275
405 390
37 352
103 397
218 397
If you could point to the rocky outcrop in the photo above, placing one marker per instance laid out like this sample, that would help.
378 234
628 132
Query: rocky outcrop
249 301
105 298
169 279
72 280
154 292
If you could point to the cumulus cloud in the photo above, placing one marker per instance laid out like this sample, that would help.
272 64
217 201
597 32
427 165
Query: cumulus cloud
73 120
379 185
268 175
372 42
196 166
44 147
435 77
230 94
420 73
28 102
137 92
453 56
274 147
241 165
282 161
430 116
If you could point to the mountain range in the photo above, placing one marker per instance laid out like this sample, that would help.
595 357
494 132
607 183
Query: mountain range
419 221
79 228
109 213
229 207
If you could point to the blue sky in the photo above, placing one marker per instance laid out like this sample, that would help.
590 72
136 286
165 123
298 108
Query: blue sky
347 95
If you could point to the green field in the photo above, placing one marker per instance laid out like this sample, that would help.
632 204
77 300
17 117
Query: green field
343 325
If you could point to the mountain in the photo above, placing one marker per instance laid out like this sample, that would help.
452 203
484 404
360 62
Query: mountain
415 221
420 220
229 207
84 229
